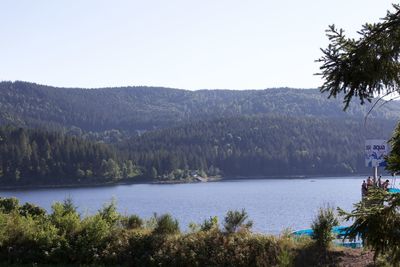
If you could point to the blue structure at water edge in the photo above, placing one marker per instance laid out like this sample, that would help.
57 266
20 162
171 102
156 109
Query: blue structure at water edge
394 190
339 231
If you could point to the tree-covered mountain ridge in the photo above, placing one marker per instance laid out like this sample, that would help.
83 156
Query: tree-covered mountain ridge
246 146
138 108
257 146
279 131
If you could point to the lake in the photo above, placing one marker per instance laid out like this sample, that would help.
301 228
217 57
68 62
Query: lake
273 204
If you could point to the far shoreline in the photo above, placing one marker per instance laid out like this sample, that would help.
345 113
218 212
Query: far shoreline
160 182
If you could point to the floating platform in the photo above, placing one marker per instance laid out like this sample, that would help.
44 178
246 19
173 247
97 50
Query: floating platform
339 231
394 190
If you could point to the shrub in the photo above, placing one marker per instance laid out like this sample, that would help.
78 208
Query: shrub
65 219
92 239
29 209
322 227
209 224
236 220
214 248
166 225
8 205
132 222
69 206
193 227
376 221
141 247
28 239
62 237
109 213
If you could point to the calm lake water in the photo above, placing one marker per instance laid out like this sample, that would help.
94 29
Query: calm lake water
273 204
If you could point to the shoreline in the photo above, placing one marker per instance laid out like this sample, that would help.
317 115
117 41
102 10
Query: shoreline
160 182
69 185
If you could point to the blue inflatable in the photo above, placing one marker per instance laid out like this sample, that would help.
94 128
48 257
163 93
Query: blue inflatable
394 190
338 230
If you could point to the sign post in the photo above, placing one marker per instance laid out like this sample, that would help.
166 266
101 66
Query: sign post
375 152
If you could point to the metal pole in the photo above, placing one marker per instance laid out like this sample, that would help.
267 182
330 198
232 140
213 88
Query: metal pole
375 173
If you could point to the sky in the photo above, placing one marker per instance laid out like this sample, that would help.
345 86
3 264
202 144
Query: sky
187 44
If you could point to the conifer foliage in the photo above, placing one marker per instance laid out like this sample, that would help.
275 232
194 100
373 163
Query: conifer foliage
36 156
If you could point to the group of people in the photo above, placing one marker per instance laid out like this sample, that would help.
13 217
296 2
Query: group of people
373 182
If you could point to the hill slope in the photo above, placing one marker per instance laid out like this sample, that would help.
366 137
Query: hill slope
234 133
146 108
258 146
32 157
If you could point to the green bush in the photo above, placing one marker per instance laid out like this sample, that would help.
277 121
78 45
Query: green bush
109 213
322 227
132 222
237 220
27 239
106 238
67 222
8 205
209 224
141 247
92 239
376 221
213 248
29 209
166 225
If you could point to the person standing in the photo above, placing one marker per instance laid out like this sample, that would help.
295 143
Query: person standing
369 182
385 185
364 189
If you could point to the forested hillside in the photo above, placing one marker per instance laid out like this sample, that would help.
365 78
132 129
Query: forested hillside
129 109
258 146
40 157
58 135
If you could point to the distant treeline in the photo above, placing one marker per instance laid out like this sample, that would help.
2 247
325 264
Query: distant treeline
258 146
30 156
129 109
245 146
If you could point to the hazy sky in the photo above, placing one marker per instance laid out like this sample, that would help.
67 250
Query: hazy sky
235 44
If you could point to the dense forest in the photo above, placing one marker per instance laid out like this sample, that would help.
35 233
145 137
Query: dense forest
30 156
127 110
240 146
64 135
258 146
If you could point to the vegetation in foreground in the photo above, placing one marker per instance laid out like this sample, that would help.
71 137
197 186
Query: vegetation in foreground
30 235
364 68
376 220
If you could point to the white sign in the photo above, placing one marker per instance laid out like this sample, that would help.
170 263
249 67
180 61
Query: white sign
375 153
